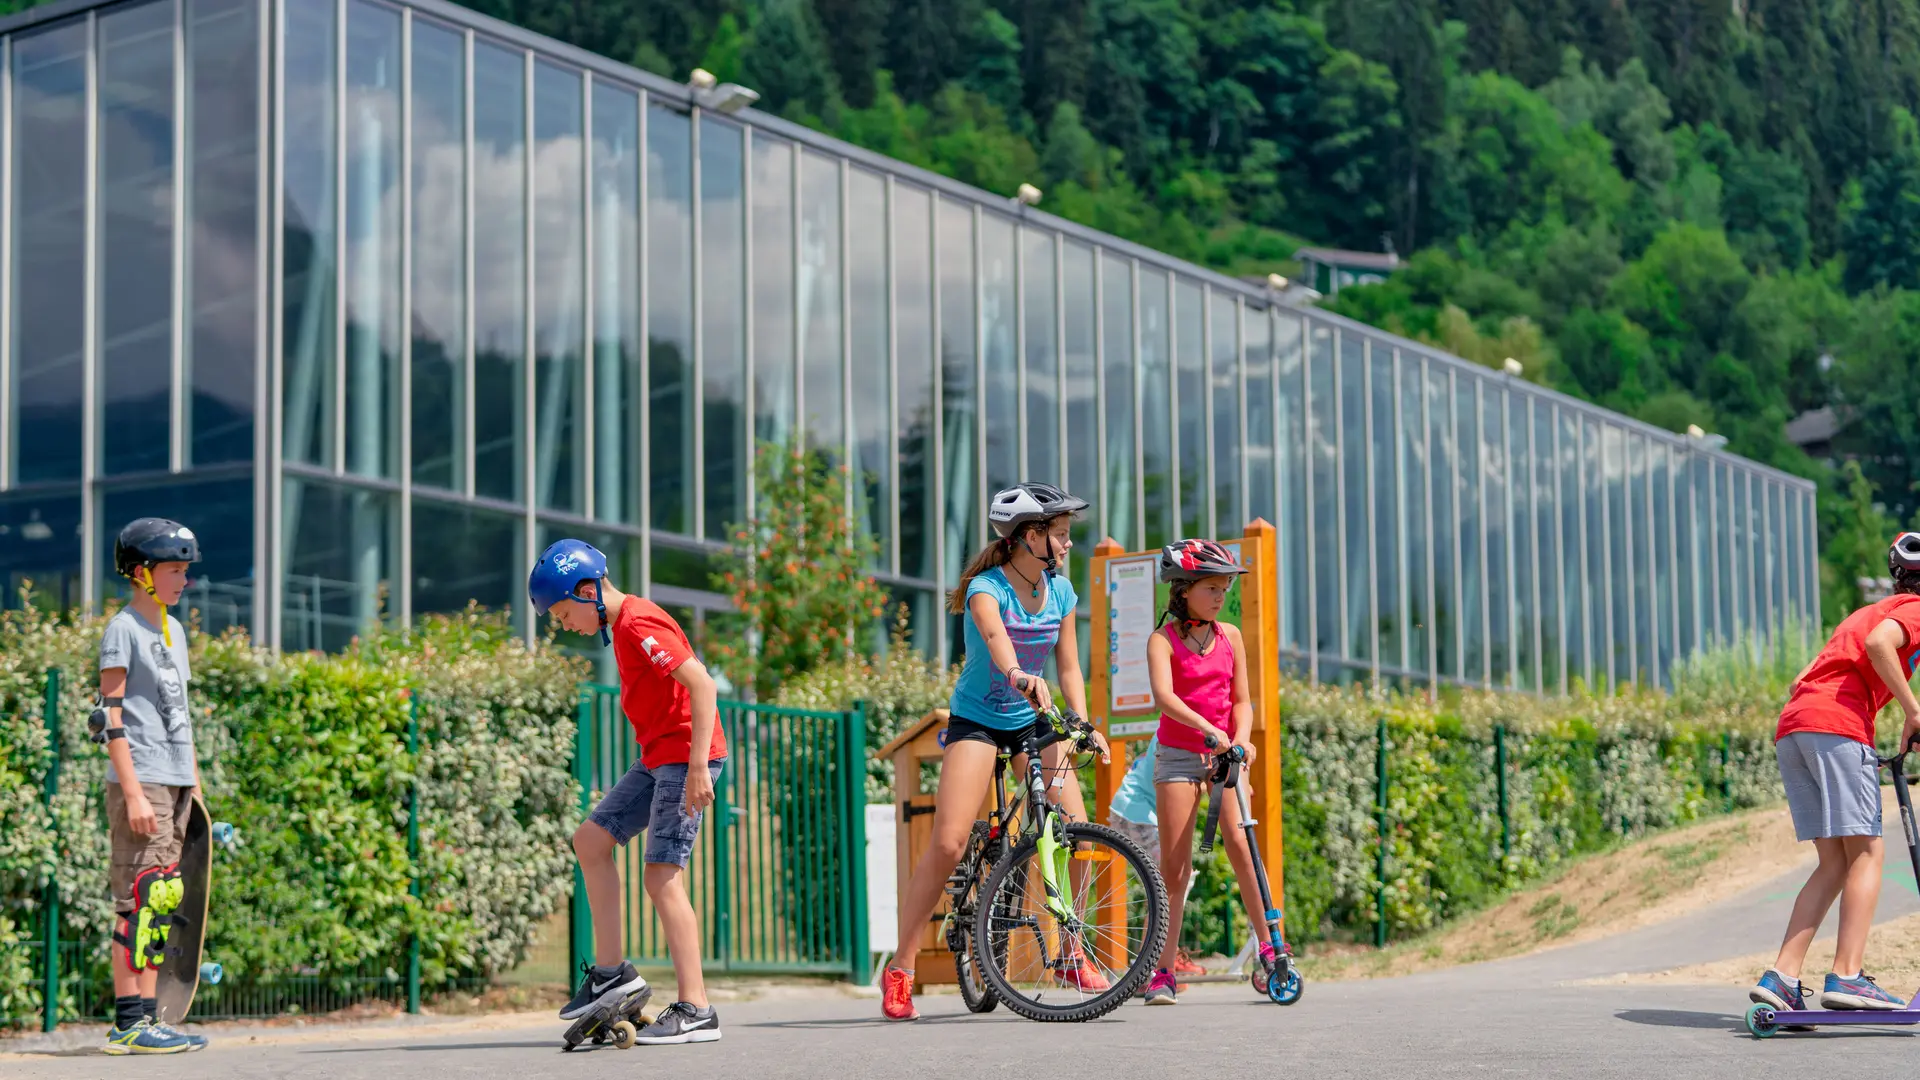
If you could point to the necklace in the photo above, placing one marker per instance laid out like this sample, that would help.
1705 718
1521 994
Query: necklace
1191 639
1031 584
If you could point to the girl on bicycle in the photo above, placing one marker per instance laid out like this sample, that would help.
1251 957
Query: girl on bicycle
1019 612
1198 668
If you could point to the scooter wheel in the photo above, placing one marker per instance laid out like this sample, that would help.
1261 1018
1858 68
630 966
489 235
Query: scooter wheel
1760 1022
1287 990
623 1035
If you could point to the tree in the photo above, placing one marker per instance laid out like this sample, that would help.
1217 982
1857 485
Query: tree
786 60
1879 236
799 572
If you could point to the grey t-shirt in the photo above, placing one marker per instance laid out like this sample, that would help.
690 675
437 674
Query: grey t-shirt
154 706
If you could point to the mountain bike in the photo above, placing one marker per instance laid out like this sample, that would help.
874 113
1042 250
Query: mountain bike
1062 920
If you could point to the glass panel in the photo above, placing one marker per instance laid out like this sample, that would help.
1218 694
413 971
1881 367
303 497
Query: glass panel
1229 512
1190 366
1383 488
1550 559
670 318
1156 416
1640 560
373 239
1000 394
1521 608
341 546
1258 502
616 304
1795 611
308 241
1468 485
1686 523
774 390
1119 362
220 588
1660 571
725 442
820 301
1442 486
913 308
1043 362
439 312
1356 562
1416 531
1290 432
964 532
559 289
872 373
223 151
1494 519
464 555
1323 454
1725 555
1743 615
136 234
1600 597
1619 582
499 269
1083 405
1575 549
40 547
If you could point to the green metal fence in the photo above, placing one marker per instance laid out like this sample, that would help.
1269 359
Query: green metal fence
778 876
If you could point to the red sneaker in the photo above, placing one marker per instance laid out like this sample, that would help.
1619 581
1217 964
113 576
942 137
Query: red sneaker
896 995
1183 964
1077 974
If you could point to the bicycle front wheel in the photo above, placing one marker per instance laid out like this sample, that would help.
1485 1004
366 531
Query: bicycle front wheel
1085 953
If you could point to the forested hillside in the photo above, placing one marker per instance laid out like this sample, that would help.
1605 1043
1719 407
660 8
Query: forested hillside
1693 211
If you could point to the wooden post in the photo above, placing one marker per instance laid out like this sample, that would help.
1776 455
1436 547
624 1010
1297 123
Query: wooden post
1260 630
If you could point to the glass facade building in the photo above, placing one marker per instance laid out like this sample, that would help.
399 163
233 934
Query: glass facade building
382 298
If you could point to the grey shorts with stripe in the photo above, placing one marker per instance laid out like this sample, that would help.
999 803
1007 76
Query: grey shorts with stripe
1833 785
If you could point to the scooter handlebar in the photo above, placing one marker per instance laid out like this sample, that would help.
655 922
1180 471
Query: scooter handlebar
1896 760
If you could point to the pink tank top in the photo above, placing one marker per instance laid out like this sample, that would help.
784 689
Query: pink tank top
1205 685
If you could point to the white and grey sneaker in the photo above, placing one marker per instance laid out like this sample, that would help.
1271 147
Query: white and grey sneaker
682 1023
600 985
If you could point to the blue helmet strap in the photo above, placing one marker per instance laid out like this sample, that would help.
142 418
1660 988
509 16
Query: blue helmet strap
600 605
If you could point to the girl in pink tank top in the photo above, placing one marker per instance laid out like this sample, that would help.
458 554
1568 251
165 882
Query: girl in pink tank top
1199 673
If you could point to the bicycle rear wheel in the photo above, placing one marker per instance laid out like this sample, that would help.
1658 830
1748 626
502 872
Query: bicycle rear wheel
974 990
1082 968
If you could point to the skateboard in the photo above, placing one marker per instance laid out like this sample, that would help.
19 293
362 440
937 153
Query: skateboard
617 1023
183 968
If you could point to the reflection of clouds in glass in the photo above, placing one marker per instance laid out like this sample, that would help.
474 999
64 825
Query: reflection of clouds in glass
499 243
439 236
559 270
670 228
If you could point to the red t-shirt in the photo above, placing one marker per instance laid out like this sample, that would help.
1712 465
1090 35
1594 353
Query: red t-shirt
648 645
1841 693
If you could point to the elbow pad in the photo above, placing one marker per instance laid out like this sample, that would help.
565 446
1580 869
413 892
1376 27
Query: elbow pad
97 728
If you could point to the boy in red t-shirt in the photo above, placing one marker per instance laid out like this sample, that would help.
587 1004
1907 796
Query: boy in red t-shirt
670 700
1832 776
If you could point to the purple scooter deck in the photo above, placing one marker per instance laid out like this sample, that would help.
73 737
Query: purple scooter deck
1824 1017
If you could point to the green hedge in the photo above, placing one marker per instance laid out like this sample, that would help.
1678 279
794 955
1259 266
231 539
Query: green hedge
308 756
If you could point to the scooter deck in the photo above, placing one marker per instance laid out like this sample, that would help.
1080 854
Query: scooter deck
1824 1017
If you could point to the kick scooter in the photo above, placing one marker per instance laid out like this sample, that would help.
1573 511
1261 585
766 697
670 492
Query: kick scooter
1764 1021
1277 979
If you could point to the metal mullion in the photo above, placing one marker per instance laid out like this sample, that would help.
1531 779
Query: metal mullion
1587 615
799 360
846 342
1426 458
980 493
748 396
1753 552
1100 396
90 329
1560 552
1373 480
1173 401
274 281
1139 425
1513 583
939 449
466 449
893 383
1340 496
1653 577
1533 538
1275 454
1404 602
1240 396
9 260
1020 346
1694 520
529 493
644 477
1626 547
697 393
341 238
266 350
1459 569
1713 549
1606 555
405 590
1811 523
1060 350
1206 381
589 351
1480 503
1308 454
177 313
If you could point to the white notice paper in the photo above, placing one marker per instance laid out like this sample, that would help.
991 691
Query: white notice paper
1129 625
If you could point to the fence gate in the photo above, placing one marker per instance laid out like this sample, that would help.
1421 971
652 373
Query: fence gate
778 876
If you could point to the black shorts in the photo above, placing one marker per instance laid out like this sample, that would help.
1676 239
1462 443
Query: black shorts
961 729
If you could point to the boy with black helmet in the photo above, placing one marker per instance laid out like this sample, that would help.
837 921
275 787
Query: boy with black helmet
152 774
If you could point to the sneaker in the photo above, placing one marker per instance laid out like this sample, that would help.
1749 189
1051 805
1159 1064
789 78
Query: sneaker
1774 990
195 1042
1183 964
1858 992
1077 974
1160 989
146 1037
599 986
682 1023
896 995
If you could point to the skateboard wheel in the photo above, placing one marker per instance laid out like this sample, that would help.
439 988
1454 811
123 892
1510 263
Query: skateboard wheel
211 973
624 1034
224 833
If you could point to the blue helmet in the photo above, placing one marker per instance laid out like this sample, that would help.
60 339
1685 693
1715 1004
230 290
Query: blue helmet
562 567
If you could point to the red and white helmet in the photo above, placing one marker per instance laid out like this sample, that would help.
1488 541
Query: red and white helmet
1191 560
1904 554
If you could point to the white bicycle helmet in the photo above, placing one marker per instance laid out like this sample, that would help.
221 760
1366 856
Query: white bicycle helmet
1025 504
1904 555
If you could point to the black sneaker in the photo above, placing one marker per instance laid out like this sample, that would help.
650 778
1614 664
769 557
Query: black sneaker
599 985
682 1023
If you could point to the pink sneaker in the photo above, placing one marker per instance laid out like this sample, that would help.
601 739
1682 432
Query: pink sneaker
1160 989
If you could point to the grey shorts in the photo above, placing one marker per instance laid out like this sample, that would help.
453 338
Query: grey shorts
1171 766
1146 836
653 801
1833 785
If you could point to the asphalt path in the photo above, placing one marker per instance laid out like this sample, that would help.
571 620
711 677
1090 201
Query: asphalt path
1532 1016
